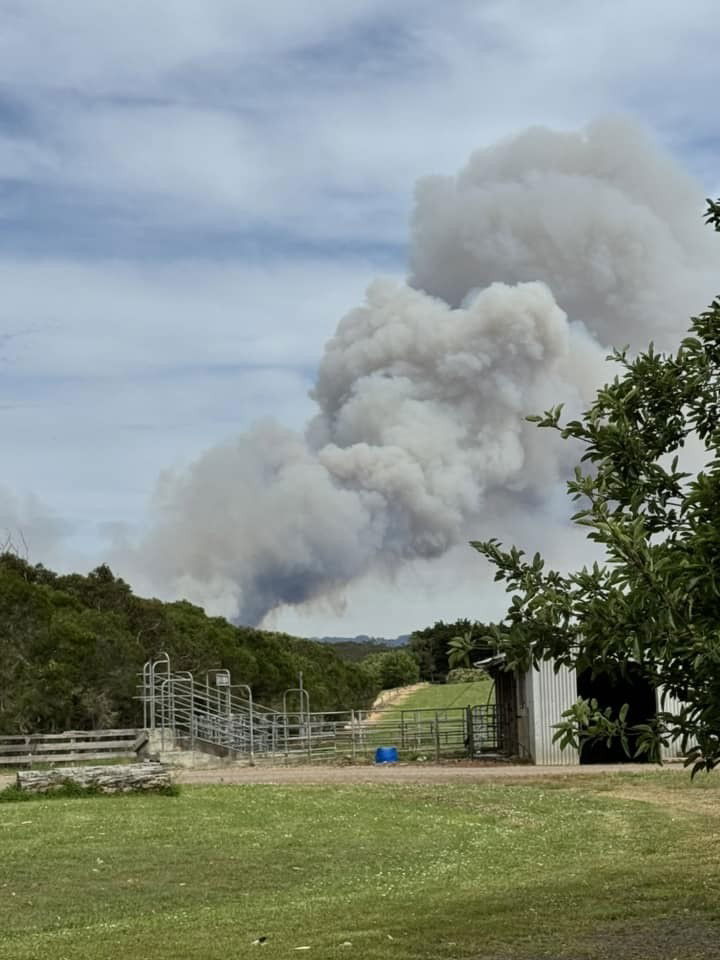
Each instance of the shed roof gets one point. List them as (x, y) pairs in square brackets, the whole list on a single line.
[(491, 663)]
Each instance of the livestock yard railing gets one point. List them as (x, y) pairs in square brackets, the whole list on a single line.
[(72, 746), (216, 715)]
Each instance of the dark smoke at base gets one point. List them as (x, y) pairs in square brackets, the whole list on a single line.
[(541, 253)]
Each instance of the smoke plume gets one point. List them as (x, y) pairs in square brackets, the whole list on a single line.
[(29, 529), (525, 267)]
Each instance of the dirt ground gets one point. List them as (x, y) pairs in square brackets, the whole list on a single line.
[(409, 773), (659, 939), (394, 773)]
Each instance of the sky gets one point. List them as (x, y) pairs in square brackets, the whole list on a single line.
[(192, 196)]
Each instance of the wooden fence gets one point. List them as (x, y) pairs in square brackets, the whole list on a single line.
[(70, 747)]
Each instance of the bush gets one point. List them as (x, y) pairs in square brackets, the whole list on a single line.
[(393, 669), (466, 675)]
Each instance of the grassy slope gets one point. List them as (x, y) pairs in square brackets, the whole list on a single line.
[(436, 696), (400, 872)]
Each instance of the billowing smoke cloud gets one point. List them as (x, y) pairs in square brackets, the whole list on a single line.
[(541, 253), (603, 217)]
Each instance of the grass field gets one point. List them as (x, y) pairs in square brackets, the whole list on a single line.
[(437, 696), (443, 697), (615, 867)]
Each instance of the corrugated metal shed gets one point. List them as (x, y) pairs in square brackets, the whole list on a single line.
[(670, 704), (548, 694), (530, 704)]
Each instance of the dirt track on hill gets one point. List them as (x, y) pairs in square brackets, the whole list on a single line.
[(392, 698)]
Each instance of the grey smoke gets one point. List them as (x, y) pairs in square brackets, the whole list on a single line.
[(541, 253), (29, 528), (603, 217)]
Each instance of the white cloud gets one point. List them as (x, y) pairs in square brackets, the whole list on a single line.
[(107, 47), (212, 118), (118, 319), (112, 372)]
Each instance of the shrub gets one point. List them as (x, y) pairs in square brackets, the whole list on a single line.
[(466, 675)]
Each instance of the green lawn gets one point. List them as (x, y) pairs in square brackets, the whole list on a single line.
[(564, 870), (436, 696)]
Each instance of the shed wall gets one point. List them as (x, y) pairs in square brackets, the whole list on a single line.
[(670, 705), (548, 695)]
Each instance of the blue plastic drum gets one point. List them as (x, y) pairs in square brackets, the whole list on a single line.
[(386, 755)]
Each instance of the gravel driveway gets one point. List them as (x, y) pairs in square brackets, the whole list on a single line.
[(399, 773)]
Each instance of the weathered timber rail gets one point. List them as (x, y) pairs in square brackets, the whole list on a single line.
[(72, 746)]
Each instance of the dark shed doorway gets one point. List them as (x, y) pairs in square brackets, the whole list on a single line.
[(613, 689)]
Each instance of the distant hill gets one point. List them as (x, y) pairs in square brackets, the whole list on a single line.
[(364, 638), (354, 649)]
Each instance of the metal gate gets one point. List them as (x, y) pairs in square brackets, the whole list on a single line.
[(216, 715), (485, 734)]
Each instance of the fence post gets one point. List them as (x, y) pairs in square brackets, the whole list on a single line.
[(437, 735), (192, 716), (352, 734), (252, 728), (470, 736)]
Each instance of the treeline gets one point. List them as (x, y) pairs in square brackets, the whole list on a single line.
[(430, 647), (72, 648)]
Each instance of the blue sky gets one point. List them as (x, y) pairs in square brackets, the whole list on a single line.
[(192, 194)]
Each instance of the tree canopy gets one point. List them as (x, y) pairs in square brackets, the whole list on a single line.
[(72, 647), (433, 646), (393, 668), (648, 488)]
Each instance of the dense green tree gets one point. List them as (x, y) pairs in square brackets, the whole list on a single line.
[(460, 650), (394, 668), (25, 617), (72, 648), (432, 646), (656, 599), (399, 669)]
